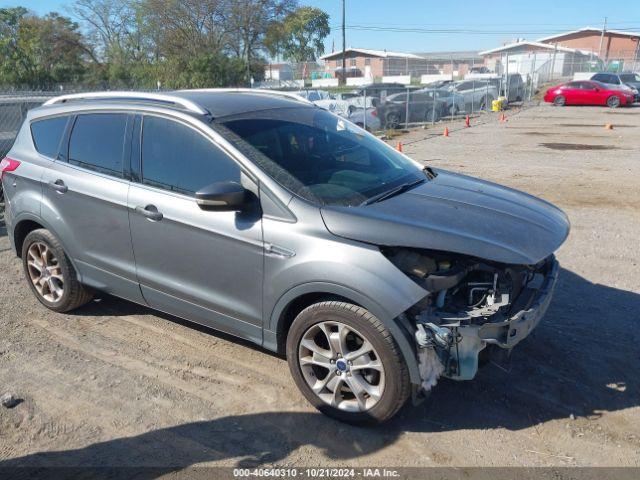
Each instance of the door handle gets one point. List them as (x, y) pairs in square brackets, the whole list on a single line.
[(59, 186), (151, 212)]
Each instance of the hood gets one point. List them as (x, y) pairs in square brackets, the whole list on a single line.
[(461, 214)]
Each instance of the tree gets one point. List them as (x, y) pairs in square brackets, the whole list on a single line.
[(39, 51), (247, 23), (180, 27), (301, 36)]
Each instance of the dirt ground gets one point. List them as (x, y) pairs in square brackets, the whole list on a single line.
[(118, 384)]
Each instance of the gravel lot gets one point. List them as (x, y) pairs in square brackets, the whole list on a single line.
[(118, 384)]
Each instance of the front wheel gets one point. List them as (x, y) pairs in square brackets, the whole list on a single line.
[(347, 364), (613, 101)]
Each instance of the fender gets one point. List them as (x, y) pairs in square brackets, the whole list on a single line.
[(400, 335), (35, 218)]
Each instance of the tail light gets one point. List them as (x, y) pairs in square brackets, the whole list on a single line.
[(374, 112), (8, 165)]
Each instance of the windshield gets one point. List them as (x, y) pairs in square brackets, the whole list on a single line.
[(630, 77), (324, 158)]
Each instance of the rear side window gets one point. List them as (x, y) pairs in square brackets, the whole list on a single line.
[(178, 158), (97, 142), (47, 135)]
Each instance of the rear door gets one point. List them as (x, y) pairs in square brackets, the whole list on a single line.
[(85, 201), (205, 266)]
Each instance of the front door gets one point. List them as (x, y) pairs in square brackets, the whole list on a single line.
[(201, 265)]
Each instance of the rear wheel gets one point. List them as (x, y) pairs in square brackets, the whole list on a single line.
[(347, 364), (50, 274), (559, 101), (392, 121), (613, 101)]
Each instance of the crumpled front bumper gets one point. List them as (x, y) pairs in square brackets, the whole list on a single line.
[(461, 359), (510, 332)]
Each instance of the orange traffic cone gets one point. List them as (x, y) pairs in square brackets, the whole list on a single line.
[(608, 126), (503, 118), (467, 121), (446, 132), (399, 146)]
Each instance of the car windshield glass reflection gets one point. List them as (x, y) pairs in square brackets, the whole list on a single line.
[(336, 162)]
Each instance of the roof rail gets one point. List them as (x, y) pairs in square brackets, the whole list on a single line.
[(265, 91), (147, 96)]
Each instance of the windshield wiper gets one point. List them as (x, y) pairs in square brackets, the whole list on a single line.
[(393, 192)]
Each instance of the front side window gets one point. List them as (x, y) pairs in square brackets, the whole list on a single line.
[(178, 158), (47, 134), (97, 142), (321, 157)]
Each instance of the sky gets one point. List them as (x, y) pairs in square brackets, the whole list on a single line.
[(431, 26)]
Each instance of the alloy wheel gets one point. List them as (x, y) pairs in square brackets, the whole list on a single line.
[(45, 272), (341, 366)]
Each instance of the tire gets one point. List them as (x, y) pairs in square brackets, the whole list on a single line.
[(613, 102), (392, 121), (59, 289), (388, 380), (559, 101)]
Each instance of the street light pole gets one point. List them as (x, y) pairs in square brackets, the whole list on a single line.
[(604, 28), (344, 43)]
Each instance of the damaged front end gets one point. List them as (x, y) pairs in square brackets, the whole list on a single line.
[(472, 303)]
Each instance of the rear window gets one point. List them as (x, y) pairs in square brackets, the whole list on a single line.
[(47, 134), (97, 142)]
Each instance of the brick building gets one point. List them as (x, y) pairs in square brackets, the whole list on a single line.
[(362, 62), (453, 63), (614, 46)]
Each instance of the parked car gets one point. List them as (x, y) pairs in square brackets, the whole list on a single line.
[(628, 79), (380, 91), (261, 215), (455, 102), (314, 95), (422, 108), (437, 84), (588, 92), (371, 123), (477, 94), (339, 107), (513, 87)]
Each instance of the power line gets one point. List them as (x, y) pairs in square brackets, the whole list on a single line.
[(450, 31)]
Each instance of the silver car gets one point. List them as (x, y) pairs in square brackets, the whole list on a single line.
[(259, 214)]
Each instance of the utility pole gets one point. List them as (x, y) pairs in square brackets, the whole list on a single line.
[(344, 44), (604, 28)]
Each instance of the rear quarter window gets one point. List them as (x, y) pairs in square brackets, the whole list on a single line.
[(47, 135)]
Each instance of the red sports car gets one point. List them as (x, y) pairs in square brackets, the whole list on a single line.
[(588, 92)]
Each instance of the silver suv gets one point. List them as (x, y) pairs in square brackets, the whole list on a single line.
[(264, 216)]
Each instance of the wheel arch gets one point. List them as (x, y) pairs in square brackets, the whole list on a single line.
[(27, 223), (298, 298)]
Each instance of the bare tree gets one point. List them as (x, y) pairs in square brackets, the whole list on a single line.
[(111, 27), (185, 26), (248, 21)]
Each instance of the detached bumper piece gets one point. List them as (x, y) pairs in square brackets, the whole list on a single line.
[(501, 313)]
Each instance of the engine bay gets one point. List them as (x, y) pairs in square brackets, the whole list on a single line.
[(471, 303)]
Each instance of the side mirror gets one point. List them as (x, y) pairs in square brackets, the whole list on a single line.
[(596, 89), (222, 197)]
